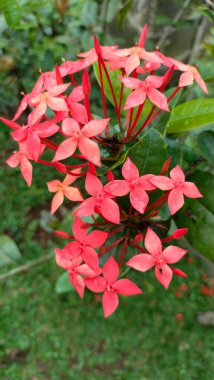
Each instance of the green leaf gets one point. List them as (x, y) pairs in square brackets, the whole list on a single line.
[(63, 285), (206, 145), (190, 115), (198, 215), (148, 154), (9, 251), (122, 14)]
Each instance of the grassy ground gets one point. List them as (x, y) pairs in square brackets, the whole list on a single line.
[(46, 336)]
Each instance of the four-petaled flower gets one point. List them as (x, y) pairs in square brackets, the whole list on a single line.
[(158, 258), (48, 98), (84, 244), (100, 202), (75, 270), (133, 184), (143, 89), (111, 287), (178, 188), (63, 189), (81, 138)]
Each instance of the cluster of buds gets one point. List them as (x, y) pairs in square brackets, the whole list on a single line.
[(123, 213)]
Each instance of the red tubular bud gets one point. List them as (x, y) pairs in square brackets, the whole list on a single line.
[(178, 272), (59, 79), (177, 234), (97, 47), (86, 83), (60, 167), (166, 166), (138, 238), (62, 234), (110, 176)]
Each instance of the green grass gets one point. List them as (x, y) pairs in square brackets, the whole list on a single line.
[(46, 336)]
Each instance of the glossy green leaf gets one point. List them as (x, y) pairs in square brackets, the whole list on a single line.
[(206, 145), (9, 252), (63, 285), (149, 154), (190, 115), (198, 215)]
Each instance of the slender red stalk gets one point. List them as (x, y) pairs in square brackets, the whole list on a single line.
[(139, 111), (123, 251), (160, 200), (107, 249), (72, 80)]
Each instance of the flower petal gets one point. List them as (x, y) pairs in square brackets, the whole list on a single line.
[(175, 200), (90, 150), (131, 63), (70, 126), (86, 208), (57, 201), (26, 170), (78, 283), (153, 243), (110, 210), (53, 185), (73, 194), (96, 285), (111, 270), (186, 79), (65, 149), (163, 273), (59, 89), (173, 254), (79, 232), (94, 127), (136, 98), (93, 185), (78, 112), (130, 170), (57, 104), (158, 99), (96, 238), (190, 190), (118, 188), (161, 182), (126, 287), (110, 303), (139, 199), (90, 257), (177, 174), (141, 262)]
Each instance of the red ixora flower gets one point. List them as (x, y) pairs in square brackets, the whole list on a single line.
[(158, 258), (111, 287), (84, 244), (75, 270), (178, 188), (143, 89), (133, 184), (81, 138), (100, 202), (64, 189)]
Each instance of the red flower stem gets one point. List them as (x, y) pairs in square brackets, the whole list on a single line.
[(102, 93), (112, 91), (130, 119), (76, 174), (76, 166), (123, 251), (87, 106), (47, 163), (169, 238), (150, 118), (138, 247), (116, 230), (107, 249), (72, 80), (53, 164), (160, 200), (49, 144), (139, 111)]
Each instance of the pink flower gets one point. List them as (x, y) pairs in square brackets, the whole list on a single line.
[(48, 98), (81, 138), (143, 89), (90, 56), (77, 110), (133, 184), (136, 53), (100, 201), (75, 270), (190, 73), (178, 188), (63, 189), (22, 158), (32, 134), (157, 258), (111, 288), (84, 244)]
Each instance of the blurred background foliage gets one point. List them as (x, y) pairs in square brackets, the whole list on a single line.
[(34, 35)]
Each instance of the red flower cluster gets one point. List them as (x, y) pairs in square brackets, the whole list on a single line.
[(60, 106)]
